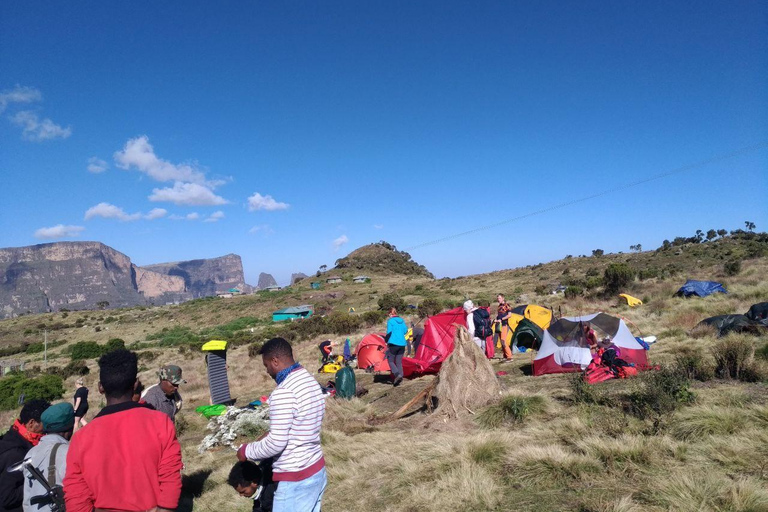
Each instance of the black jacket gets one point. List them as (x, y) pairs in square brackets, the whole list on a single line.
[(264, 503), (13, 449)]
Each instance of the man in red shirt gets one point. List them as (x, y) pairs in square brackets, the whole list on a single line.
[(127, 458)]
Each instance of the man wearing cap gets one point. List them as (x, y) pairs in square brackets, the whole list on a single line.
[(50, 454), (164, 396)]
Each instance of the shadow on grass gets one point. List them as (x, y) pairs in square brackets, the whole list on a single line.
[(192, 487), (527, 369)]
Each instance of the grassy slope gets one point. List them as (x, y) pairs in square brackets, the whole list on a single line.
[(709, 456)]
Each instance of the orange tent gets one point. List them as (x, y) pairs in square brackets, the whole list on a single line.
[(371, 353)]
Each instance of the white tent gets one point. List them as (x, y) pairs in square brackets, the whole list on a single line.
[(564, 349)]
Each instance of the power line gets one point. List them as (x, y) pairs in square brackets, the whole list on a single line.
[(715, 159)]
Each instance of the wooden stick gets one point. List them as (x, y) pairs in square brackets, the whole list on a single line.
[(422, 394)]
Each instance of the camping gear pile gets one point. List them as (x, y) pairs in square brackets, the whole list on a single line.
[(232, 424), (564, 348), (607, 364), (755, 321)]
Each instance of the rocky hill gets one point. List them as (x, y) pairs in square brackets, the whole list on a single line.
[(382, 257), (78, 275), (266, 280), (206, 277)]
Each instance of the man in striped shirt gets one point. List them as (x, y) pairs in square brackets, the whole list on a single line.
[(296, 410)]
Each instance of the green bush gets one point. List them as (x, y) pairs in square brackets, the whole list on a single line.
[(694, 365), (114, 344), (732, 267), (593, 282), (430, 307), (13, 386), (510, 409), (343, 323), (584, 393), (38, 347), (571, 292), (371, 318), (617, 276), (391, 300), (74, 368), (660, 394), (733, 354), (174, 336), (13, 350), (86, 350)]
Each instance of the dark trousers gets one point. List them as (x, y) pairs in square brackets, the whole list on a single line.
[(395, 359)]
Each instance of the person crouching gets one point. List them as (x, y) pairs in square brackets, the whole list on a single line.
[(254, 482)]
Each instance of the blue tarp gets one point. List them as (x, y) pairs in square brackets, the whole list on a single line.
[(700, 288)]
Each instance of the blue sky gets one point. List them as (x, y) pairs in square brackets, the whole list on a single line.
[(293, 132)]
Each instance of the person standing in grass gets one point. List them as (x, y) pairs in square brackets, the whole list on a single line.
[(80, 403), (396, 330), (503, 315), (296, 411), (164, 396), (128, 458)]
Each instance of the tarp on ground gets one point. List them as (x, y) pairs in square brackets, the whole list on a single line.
[(527, 335), (436, 343), (539, 315), (631, 301), (564, 349), (731, 323), (700, 288), (758, 312), (371, 353)]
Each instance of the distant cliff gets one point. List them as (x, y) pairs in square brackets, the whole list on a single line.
[(266, 280), (206, 277), (78, 275), (298, 276)]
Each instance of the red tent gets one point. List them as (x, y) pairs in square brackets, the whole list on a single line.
[(371, 353), (436, 343)]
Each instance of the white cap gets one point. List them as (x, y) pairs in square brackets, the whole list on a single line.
[(468, 305)]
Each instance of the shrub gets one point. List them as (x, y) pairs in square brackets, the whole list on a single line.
[(732, 267), (44, 387), (660, 394), (584, 393), (617, 276), (114, 344), (733, 354), (343, 323), (371, 318), (391, 300), (571, 292), (541, 289), (429, 307), (762, 352), (593, 282), (694, 365), (86, 350), (177, 335), (74, 368), (253, 349)]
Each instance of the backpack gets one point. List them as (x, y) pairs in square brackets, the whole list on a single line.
[(482, 321), (345, 383)]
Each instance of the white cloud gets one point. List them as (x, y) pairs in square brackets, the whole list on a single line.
[(268, 203), (339, 242), (138, 153), (190, 194), (110, 211), (38, 130), (58, 231), (378, 226), (262, 228), (215, 216), (97, 165), (192, 216), (156, 213), (19, 94)]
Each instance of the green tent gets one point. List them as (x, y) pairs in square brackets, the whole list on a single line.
[(527, 335)]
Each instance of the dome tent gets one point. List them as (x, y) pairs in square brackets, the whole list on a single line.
[(527, 335), (539, 315), (564, 349), (371, 353)]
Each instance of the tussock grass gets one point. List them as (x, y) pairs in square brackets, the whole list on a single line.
[(511, 409), (698, 422), (553, 465), (696, 492)]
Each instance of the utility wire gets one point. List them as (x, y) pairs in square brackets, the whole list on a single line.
[(715, 159)]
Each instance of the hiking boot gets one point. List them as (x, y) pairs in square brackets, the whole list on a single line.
[(397, 381)]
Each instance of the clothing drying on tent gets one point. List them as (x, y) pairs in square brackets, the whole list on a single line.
[(436, 343), (539, 315), (731, 323), (631, 301), (700, 288), (216, 362), (564, 348), (371, 353), (758, 313), (528, 335)]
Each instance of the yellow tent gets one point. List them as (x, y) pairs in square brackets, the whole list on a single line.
[(632, 301), (539, 315)]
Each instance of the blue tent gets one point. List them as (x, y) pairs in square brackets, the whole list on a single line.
[(700, 288)]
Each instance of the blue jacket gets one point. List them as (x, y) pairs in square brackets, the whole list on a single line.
[(397, 329)]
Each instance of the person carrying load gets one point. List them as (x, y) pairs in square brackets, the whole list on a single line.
[(502, 325)]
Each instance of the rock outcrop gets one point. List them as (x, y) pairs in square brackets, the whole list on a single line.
[(266, 280), (206, 277), (298, 276), (76, 275)]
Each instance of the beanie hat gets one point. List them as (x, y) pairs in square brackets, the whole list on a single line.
[(58, 418)]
